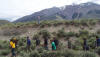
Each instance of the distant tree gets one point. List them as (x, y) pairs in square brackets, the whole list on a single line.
[(74, 15)]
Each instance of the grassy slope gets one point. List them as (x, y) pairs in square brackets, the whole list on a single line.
[(31, 28), (52, 26), (4, 22)]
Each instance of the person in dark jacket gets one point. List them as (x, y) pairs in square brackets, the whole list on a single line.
[(37, 42), (85, 45), (97, 41), (56, 42), (46, 43), (69, 44)]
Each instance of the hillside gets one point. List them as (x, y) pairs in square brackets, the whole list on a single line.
[(81, 11), (62, 30), (2, 22)]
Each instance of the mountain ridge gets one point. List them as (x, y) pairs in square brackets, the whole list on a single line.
[(77, 11)]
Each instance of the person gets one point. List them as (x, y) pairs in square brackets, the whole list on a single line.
[(97, 41), (85, 45), (12, 45), (56, 42), (46, 43), (69, 44), (53, 45), (28, 43), (37, 42), (16, 41)]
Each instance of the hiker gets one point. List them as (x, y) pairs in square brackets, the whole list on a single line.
[(56, 42), (97, 41), (69, 44), (16, 41), (12, 45), (28, 43), (53, 45), (37, 42), (46, 43), (85, 45)]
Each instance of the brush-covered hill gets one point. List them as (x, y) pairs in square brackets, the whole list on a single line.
[(2, 22), (63, 30), (80, 11)]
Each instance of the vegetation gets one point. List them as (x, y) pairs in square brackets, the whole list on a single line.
[(48, 23), (61, 34)]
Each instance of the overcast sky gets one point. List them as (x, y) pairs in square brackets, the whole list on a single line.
[(14, 9)]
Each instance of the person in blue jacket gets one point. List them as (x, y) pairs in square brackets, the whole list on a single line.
[(28, 43)]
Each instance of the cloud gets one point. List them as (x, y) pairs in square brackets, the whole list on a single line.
[(14, 9)]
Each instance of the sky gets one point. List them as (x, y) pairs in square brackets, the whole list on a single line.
[(14, 9)]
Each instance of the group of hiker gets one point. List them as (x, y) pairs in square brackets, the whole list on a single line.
[(14, 41), (54, 44), (87, 47)]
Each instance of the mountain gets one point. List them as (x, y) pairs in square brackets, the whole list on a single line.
[(78, 11), (4, 22)]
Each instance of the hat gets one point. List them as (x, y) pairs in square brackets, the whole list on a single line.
[(14, 38)]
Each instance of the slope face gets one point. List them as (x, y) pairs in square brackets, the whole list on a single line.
[(85, 10), (4, 22)]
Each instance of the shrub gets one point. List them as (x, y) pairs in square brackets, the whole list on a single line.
[(98, 31), (61, 33), (22, 53), (67, 22), (45, 23), (22, 41), (40, 50), (84, 22), (36, 36), (15, 32), (34, 54), (76, 23), (77, 45), (54, 33), (70, 53), (4, 52), (71, 34), (45, 33), (92, 22), (98, 50), (83, 33), (55, 24), (42, 25), (51, 54), (4, 45), (87, 54), (92, 42), (33, 46)]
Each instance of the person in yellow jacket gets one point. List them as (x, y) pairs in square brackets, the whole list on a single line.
[(12, 44)]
